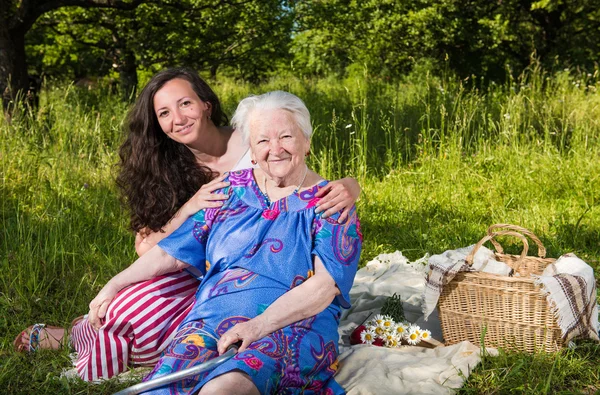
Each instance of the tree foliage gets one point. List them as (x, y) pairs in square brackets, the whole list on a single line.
[(478, 37), (243, 37), (249, 39), (74, 38)]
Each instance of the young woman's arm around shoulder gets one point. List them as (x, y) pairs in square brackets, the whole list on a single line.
[(339, 196), (204, 198)]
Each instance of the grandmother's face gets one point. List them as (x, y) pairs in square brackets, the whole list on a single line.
[(277, 144)]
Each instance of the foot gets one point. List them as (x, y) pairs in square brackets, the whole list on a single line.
[(50, 337)]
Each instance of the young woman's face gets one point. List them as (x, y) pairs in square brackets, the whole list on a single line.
[(278, 145), (180, 112)]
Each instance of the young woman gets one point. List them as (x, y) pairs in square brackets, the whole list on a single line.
[(177, 152)]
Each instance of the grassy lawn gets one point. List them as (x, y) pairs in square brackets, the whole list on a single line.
[(438, 163)]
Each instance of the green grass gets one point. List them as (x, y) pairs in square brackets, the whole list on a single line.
[(438, 163)]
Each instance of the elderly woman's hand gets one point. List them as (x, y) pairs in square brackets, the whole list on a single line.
[(99, 305), (247, 332), (338, 196)]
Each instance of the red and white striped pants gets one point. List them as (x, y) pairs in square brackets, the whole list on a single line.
[(139, 325)]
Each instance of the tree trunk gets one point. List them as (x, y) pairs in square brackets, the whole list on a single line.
[(13, 65), (213, 71), (127, 74)]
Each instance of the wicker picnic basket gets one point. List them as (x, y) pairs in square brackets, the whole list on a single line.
[(501, 311)]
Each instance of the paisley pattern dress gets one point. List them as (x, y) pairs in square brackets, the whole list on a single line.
[(251, 252)]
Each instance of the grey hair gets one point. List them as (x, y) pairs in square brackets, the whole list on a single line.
[(274, 100)]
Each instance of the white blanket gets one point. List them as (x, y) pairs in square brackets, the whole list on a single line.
[(410, 369)]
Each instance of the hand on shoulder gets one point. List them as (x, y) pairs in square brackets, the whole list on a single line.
[(337, 196)]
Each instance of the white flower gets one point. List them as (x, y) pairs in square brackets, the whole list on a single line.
[(348, 126), (378, 319), (401, 330), (391, 340), (507, 116), (426, 334), (415, 328), (388, 323), (414, 336), (380, 332), (367, 336)]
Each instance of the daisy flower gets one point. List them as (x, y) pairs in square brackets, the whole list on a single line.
[(378, 320), (391, 340), (415, 328), (376, 329), (388, 323), (413, 337), (367, 336), (426, 334), (401, 330)]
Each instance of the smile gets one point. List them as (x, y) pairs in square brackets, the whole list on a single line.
[(185, 128)]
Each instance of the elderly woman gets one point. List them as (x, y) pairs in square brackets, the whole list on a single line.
[(275, 274)]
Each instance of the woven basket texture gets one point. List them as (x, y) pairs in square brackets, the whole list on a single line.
[(501, 311)]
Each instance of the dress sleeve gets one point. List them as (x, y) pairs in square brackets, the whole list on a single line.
[(338, 246), (188, 242)]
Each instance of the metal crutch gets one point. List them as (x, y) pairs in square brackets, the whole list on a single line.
[(182, 374)]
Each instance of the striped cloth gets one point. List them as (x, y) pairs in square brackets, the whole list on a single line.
[(139, 324), (570, 289)]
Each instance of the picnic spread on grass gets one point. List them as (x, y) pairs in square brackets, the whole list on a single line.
[(523, 303), (422, 326)]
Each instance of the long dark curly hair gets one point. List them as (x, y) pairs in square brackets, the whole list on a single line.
[(158, 175)]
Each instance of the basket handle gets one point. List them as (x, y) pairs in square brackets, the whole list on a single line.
[(527, 232), (469, 258)]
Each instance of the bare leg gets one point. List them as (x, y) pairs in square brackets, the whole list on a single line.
[(50, 337), (232, 383)]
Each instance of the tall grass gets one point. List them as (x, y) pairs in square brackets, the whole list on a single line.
[(369, 126), (438, 160)]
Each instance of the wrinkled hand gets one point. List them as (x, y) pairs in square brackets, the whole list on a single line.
[(248, 332), (205, 198), (338, 196), (99, 305)]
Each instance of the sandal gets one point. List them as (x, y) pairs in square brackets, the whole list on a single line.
[(40, 336)]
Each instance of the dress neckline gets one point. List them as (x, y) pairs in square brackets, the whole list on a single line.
[(304, 196)]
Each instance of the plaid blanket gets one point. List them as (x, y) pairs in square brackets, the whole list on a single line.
[(570, 289), (445, 266)]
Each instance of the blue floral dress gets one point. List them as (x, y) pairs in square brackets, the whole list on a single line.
[(250, 252)]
